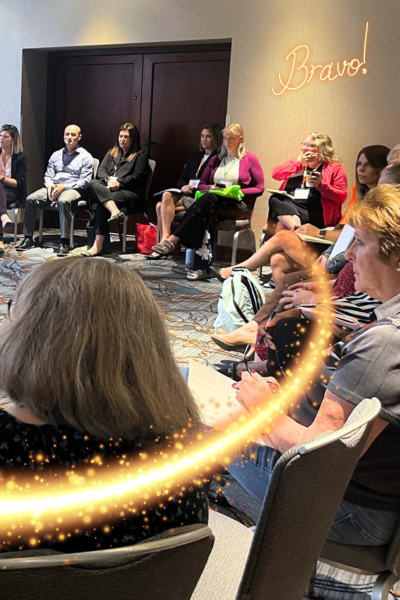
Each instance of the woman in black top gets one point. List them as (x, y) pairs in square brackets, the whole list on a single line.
[(173, 202), (120, 181), (13, 165), (109, 396)]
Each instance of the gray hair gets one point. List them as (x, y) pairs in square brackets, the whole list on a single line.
[(394, 154), (87, 346)]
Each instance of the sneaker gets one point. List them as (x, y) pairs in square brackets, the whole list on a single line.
[(25, 244), (63, 249)]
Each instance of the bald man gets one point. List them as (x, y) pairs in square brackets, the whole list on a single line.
[(69, 171)]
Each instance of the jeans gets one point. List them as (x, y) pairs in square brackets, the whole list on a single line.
[(353, 524)]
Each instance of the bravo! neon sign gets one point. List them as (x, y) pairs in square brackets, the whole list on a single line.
[(326, 73)]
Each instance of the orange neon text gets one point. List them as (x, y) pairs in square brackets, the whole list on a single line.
[(326, 73)]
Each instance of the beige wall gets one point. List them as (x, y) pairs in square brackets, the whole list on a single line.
[(355, 111)]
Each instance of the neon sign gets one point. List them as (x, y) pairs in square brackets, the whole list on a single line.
[(350, 68)]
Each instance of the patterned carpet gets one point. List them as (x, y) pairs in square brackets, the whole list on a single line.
[(190, 309)]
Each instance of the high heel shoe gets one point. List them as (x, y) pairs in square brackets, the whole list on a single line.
[(223, 341), (117, 217)]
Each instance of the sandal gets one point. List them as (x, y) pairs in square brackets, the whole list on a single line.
[(163, 248), (198, 275), (117, 217)]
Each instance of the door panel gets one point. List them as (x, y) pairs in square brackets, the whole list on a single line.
[(98, 95), (181, 93)]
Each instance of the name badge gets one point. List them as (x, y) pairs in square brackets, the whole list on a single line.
[(301, 193), (194, 183), (226, 183)]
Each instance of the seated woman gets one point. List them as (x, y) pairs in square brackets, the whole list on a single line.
[(363, 365), (107, 393), (188, 182), (233, 166), (13, 166), (119, 182), (317, 180), (285, 252)]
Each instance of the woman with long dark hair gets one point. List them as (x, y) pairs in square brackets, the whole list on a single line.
[(119, 182)]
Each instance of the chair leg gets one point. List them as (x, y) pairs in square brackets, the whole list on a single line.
[(383, 585), (124, 232), (41, 225), (16, 215), (71, 233), (262, 241)]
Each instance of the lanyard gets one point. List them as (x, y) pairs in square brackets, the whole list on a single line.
[(230, 165)]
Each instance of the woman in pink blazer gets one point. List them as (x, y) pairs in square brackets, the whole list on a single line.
[(232, 166)]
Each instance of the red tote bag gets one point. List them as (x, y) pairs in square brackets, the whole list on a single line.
[(146, 237)]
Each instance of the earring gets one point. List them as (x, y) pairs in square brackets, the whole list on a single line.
[(398, 269)]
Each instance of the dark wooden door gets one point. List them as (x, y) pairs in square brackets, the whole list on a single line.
[(181, 93), (98, 93)]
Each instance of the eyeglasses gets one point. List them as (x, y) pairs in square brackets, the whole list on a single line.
[(9, 303), (307, 145)]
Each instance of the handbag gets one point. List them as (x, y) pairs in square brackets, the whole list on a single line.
[(146, 237)]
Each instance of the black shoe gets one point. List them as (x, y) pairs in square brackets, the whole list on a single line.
[(25, 244), (63, 249)]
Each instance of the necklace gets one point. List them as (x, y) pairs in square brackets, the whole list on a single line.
[(4, 165)]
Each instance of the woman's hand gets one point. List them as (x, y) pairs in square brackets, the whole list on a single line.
[(112, 184), (314, 179), (308, 229), (187, 189), (305, 157), (293, 298), (255, 391)]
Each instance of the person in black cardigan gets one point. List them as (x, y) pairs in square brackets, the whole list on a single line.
[(120, 181), (13, 166), (173, 202)]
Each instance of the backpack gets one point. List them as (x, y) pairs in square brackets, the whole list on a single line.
[(242, 297)]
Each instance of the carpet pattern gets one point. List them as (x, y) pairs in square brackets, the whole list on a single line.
[(190, 309)]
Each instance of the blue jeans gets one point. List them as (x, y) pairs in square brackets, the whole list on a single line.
[(353, 524)]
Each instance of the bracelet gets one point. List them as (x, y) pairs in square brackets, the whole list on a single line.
[(3, 178), (322, 233)]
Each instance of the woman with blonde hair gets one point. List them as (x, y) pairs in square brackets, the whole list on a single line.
[(86, 361), (233, 165), (13, 166), (316, 183)]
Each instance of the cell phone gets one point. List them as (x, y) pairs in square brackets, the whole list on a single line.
[(220, 185)]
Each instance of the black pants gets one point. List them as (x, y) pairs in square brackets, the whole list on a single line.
[(203, 214), (99, 193)]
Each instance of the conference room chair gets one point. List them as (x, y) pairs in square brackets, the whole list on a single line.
[(166, 567)]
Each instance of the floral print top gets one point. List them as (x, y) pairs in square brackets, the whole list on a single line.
[(39, 454)]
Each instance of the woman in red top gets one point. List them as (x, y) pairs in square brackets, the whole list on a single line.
[(317, 182)]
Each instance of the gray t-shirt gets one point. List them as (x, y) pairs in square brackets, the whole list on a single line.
[(363, 365)]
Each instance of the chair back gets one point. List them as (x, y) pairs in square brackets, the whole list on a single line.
[(149, 179), (96, 164), (306, 488), (164, 568)]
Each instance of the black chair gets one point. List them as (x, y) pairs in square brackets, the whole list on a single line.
[(166, 567)]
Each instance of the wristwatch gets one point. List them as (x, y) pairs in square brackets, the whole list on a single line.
[(322, 233), (3, 178)]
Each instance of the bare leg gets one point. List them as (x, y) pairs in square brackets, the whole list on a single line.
[(112, 207), (167, 213), (285, 242), (281, 266), (247, 334), (291, 222), (98, 244)]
